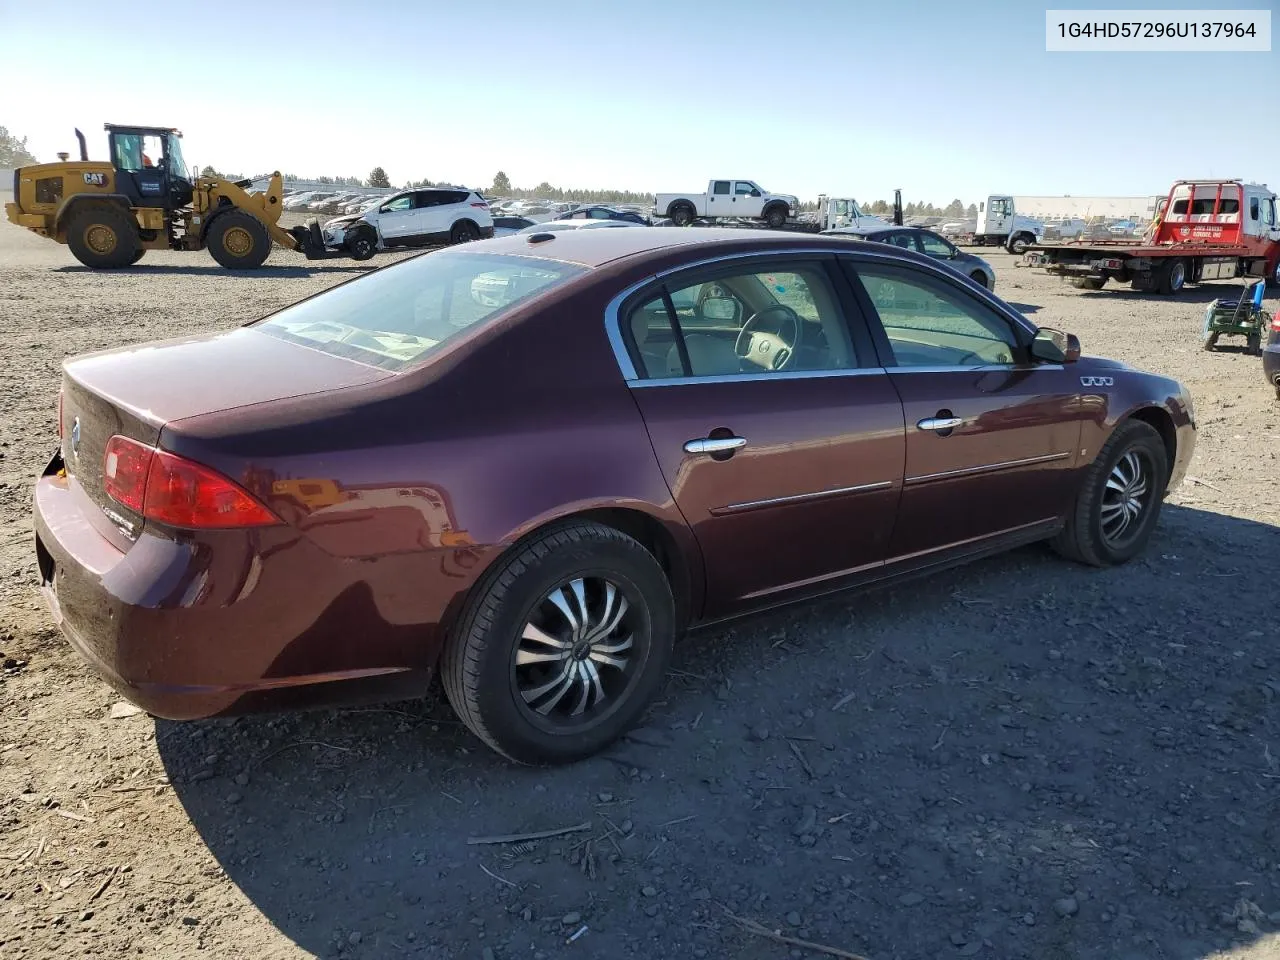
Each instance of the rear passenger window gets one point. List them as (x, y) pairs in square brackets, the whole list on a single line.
[(654, 344)]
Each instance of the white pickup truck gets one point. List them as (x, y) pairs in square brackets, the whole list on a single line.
[(726, 199)]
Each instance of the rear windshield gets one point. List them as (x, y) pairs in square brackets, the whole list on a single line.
[(397, 316)]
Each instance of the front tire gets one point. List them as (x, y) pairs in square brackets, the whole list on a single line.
[(776, 217), (103, 237), (1018, 244), (238, 241), (1119, 500), (562, 645), (362, 244)]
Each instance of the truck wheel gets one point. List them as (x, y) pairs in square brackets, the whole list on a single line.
[(776, 216), (238, 241), (1018, 244), (1173, 276), (1089, 283), (681, 215), (1274, 279), (103, 237)]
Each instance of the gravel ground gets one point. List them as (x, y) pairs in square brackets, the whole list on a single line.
[(1021, 758)]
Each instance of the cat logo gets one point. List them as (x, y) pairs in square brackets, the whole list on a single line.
[(1096, 382), (96, 179)]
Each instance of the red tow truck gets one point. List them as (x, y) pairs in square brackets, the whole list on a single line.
[(1203, 230)]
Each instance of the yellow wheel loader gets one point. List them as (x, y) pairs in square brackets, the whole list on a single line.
[(110, 214)]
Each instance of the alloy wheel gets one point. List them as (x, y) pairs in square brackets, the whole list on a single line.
[(1126, 498), (573, 661)]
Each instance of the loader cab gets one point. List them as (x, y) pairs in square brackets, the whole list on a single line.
[(150, 170)]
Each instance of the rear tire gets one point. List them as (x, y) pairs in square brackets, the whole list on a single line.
[(104, 237), (1108, 495), (238, 241), (681, 215), (464, 231), (1173, 276), (492, 672)]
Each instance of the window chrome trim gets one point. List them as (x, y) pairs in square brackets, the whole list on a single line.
[(858, 250), (752, 377), (978, 368), (988, 468), (800, 497)]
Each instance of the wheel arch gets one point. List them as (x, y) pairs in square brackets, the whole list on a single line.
[(461, 220), (675, 205), (1162, 421), (81, 201), (672, 545), (224, 207)]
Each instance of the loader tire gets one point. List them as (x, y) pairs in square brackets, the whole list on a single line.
[(103, 237), (238, 241), (138, 256)]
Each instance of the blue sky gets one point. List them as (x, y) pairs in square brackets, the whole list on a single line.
[(943, 99)]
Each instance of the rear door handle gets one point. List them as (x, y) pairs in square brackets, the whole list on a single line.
[(714, 444), (940, 423)]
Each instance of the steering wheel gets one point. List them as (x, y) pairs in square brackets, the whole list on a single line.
[(772, 351)]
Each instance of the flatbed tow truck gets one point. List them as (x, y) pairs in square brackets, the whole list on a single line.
[(1203, 230)]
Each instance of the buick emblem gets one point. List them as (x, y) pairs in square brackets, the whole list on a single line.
[(1097, 381), (75, 438)]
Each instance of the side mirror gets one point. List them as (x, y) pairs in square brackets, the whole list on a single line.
[(1054, 346)]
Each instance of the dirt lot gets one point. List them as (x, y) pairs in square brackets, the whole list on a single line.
[(1023, 758)]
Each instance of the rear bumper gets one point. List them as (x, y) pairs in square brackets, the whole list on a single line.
[(191, 630)]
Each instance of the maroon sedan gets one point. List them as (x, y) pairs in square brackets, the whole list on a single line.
[(533, 462)]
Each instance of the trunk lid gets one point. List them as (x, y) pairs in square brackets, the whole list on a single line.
[(135, 391)]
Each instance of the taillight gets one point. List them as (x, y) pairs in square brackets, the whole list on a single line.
[(481, 206), (173, 490), (1275, 323), (124, 471)]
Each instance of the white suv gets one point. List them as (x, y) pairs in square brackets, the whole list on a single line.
[(415, 218)]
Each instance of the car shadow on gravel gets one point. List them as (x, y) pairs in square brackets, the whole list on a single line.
[(213, 270), (1198, 294), (1018, 758)]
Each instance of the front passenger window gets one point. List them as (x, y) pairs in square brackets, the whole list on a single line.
[(746, 323), (931, 324)]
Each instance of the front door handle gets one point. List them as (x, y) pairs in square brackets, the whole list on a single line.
[(940, 423), (714, 444)]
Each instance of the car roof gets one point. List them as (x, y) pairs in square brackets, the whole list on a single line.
[(595, 248)]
